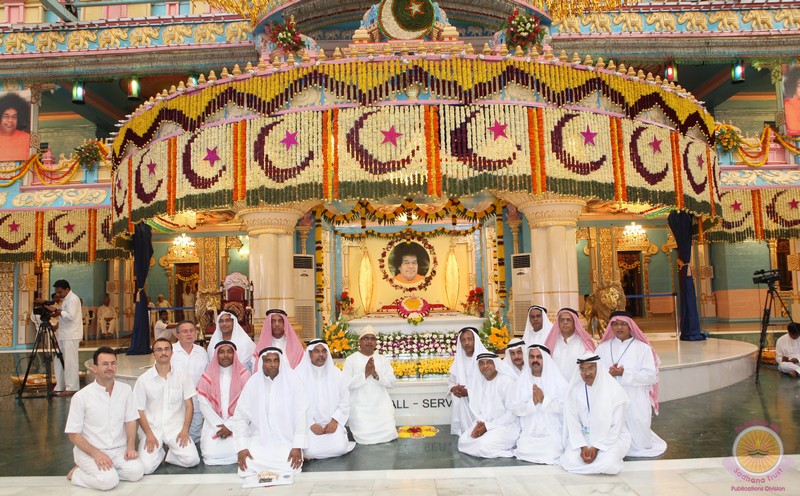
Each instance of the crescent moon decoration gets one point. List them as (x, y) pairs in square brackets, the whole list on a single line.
[(652, 178), (365, 159), (406, 19), (774, 216), (461, 150), (273, 172), (119, 194), (698, 188), (197, 181), (567, 160), (143, 195), (106, 229), (55, 238), (734, 224), (8, 245)]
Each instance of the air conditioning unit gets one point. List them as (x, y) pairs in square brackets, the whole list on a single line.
[(522, 286), (305, 310)]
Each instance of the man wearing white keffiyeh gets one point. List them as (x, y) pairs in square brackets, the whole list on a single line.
[(515, 356), (229, 329), (495, 429), (328, 400), (628, 356), (537, 326), (539, 404), (468, 347), (271, 418), (596, 437)]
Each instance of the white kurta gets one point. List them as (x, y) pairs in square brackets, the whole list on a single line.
[(540, 439), (162, 401), (160, 330), (566, 354), (328, 399), (269, 424), (640, 374), (106, 326), (535, 337), (785, 346), (193, 363), (100, 418), (217, 451), (491, 404), (69, 335), (582, 429), (462, 372), (371, 409)]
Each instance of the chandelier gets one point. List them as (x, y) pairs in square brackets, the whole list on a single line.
[(561, 9), (249, 9), (183, 246), (634, 234)]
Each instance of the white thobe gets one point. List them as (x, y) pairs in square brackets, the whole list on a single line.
[(785, 346), (566, 354), (100, 418), (322, 412), (69, 335), (218, 451), (193, 363), (540, 439), (461, 416), (502, 428), (106, 326), (269, 442), (162, 401), (243, 344), (371, 409), (507, 360), (535, 337), (612, 447), (640, 373)]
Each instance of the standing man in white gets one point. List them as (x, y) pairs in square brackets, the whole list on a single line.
[(567, 341), (371, 376), (102, 426), (163, 396), (537, 326), (193, 360), (70, 333)]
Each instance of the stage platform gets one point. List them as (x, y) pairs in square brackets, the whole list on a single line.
[(687, 369)]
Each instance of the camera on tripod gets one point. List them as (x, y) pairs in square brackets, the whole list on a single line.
[(766, 276), (40, 309)]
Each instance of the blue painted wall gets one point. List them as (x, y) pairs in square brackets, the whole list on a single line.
[(734, 264), (584, 270), (88, 281)]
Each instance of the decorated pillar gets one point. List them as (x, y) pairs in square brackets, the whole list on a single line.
[(553, 223), (271, 231), (708, 305), (793, 265), (25, 290)]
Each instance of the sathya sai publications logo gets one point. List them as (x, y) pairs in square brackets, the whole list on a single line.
[(757, 457)]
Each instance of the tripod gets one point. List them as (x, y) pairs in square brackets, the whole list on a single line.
[(46, 344), (769, 304)]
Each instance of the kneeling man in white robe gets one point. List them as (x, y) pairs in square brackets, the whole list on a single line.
[(271, 418), (630, 358), (328, 401), (539, 404), (371, 376), (594, 418), (496, 429), (218, 393)]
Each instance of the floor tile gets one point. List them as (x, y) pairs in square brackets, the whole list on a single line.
[(544, 485), (454, 487), (605, 489), (218, 489)]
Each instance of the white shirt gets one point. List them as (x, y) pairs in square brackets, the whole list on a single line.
[(785, 346), (566, 354), (70, 322), (105, 312), (160, 330), (162, 400), (193, 363), (101, 417)]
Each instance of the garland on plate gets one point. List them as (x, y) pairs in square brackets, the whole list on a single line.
[(414, 309)]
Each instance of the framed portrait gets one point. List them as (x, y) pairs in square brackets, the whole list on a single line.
[(15, 125), (791, 99), (408, 263)]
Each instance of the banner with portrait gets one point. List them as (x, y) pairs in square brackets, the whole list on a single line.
[(791, 99), (15, 125)]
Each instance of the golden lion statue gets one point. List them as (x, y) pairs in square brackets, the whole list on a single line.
[(599, 305)]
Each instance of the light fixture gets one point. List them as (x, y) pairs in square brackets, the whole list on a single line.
[(183, 246), (133, 89), (78, 92), (634, 233), (737, 72), (671, 72), (244, 251)]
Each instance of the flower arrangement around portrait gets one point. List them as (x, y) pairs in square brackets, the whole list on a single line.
[(285, 36), (414, 309), (383, 263), (494, 333), (91, 152), (523, 30), (340, 340), (728, 137), (474, 304), (345, 304)]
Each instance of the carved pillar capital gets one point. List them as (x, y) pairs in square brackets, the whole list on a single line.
[(548, 209), (270, 220)]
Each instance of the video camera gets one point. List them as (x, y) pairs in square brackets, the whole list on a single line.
[(40, 309), (766, 276)]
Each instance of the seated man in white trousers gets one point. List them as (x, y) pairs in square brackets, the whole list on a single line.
[(102, 426), (163, 396)]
